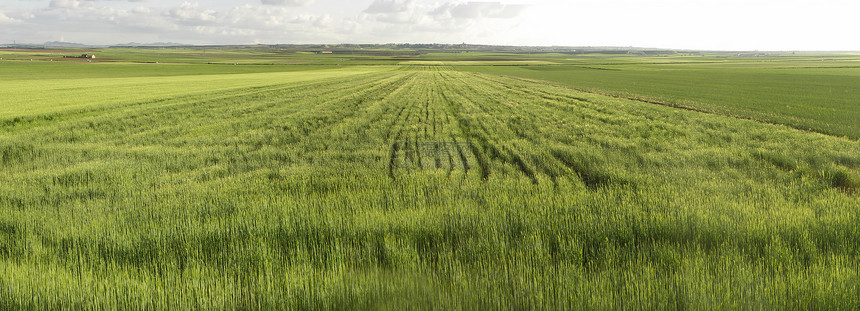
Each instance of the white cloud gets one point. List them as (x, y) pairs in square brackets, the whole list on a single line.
[(760, 24), (69, 4), (449, 22), (439, 16), (475, 10), (190, 14), (141, 10), (247, 23), (287, 2), (389, 6), (6, 20)]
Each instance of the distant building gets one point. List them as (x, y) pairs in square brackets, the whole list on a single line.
[(88, 56), (326, 52)]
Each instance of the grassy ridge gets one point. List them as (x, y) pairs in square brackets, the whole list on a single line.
[(423, 187)]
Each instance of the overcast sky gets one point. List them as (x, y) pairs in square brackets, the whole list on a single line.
[(693, 24)]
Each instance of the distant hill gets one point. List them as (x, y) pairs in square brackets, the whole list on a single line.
[(59, 44), (131, 44)]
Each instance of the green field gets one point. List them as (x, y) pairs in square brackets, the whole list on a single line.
[(810, 93), (431, 185)]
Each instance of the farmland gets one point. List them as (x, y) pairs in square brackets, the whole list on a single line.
[(367, 184), (812, 92)]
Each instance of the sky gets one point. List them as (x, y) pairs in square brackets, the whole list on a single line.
[(764, 25)]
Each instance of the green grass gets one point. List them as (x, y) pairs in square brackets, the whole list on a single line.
[(811, 94), (28, 100), (409, 187), (85, 72)]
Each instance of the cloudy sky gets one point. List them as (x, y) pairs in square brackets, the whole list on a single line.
[(694, 24)]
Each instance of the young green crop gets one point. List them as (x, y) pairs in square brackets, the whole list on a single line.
[(808, 94), (424, 187)]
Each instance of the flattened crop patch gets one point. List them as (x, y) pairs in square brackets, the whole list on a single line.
[(410, 155)]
